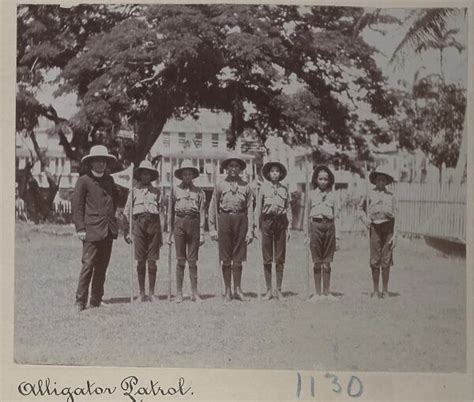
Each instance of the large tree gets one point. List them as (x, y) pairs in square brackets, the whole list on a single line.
[(149, 63)]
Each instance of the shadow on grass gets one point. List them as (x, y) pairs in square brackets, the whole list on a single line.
[(254, 295), (126, 300), (390, 294)]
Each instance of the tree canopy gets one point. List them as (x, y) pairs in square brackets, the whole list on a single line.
[(149, 63)]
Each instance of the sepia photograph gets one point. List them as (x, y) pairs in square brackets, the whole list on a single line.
[(230, 186)]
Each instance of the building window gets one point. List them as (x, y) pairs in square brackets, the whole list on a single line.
[(166, 140), (181, 139), (215, 140), (198, 140)]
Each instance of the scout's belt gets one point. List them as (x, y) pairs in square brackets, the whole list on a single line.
[(323, 219), (232, 212), (146, 215), (274, 216), (187, 216)]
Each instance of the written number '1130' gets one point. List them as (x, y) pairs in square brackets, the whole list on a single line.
[(355, 388)]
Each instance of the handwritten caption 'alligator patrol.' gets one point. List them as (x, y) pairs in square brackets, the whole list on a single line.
[(130, 387)]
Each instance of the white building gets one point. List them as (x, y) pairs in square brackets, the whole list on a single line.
[(59, 164), (204, 142)]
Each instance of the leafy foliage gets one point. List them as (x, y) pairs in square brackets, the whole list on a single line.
[(154, 62), (431, 118)]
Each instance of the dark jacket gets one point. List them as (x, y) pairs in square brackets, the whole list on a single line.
[(94, 206)]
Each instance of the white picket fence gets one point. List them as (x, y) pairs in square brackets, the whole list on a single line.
[(424, 209), (432, 209)]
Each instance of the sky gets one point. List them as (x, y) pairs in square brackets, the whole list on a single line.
[(455, 64)]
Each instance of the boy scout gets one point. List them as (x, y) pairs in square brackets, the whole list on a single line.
[(231, 215), (146, 229), (379, 217), (273, 206), (186, 221), (323, 228), (94, 206)]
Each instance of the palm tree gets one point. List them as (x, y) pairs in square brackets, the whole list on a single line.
[(429, 30)]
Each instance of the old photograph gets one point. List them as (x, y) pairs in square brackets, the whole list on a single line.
[(227, 186)]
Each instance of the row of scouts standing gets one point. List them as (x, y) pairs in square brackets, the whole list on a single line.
[(232, 222)]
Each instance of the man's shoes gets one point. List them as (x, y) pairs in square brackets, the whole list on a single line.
[(101, 304), (152, 298), (375, 294), (79, 307), (179, 298), (143, 298), (384, 295)]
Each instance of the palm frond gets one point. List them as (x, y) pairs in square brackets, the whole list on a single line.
[(427, 25)]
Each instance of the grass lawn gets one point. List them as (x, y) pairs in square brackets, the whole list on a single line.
[(422, 327)]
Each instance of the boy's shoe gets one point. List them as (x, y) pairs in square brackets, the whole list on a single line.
[(239, 295), (374, 294), (79, 307), (196, 297), (384, 295), (268, 295), (280, 296), (143, 298), (331, 297), (152, 298), (179, 298), (227, 296), (316, 298)]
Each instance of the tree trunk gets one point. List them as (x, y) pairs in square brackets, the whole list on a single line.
[(461, 165), (43, 205), (150, 129)]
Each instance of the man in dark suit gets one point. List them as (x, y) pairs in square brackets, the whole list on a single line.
[(94, 206)]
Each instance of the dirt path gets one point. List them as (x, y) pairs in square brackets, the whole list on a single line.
[(421, 328)]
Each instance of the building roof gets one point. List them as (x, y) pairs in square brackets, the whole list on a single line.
[(207, 122), (199, 153)]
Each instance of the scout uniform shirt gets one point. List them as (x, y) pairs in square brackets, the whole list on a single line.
[(275, 199), (233, 196), (323, 205), (146, 199), (234, 201), (382, 206), (189, 201)]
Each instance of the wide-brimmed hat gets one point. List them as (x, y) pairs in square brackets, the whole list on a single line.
[(186, 164), (268, 166), (98, 151), (381, 170), (146, 165), (226, 162), (324, 168)]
